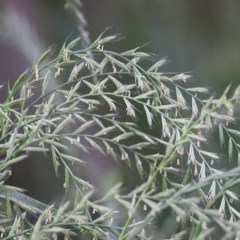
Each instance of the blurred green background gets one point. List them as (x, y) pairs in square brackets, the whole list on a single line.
[(201, 37)]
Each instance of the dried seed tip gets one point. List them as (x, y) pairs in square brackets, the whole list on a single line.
[(87, 65), (85, 187), (124, 156), (181, 102), (144, 207), (166, 131), (180, 150), (94, 211), (130, 111), (29, 92), (90, 106), (65, 185), (165, 89), (178, 218), (109, 150), (58, 71), (142, 83), (143, 232), (153, 187), (48, 217), (36, 72), (48, 129), (183, 77), (195, 171), (114, 68), (100, 47), (75, 72), (111, 221), (195, 110), (66, 56), (230, 112), (204, 226)]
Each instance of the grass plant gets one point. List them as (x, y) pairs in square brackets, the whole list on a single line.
[(123, 106)]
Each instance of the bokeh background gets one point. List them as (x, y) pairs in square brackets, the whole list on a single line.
[(200, 36)]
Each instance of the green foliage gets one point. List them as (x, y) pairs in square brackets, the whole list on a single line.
[(102, 104)]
